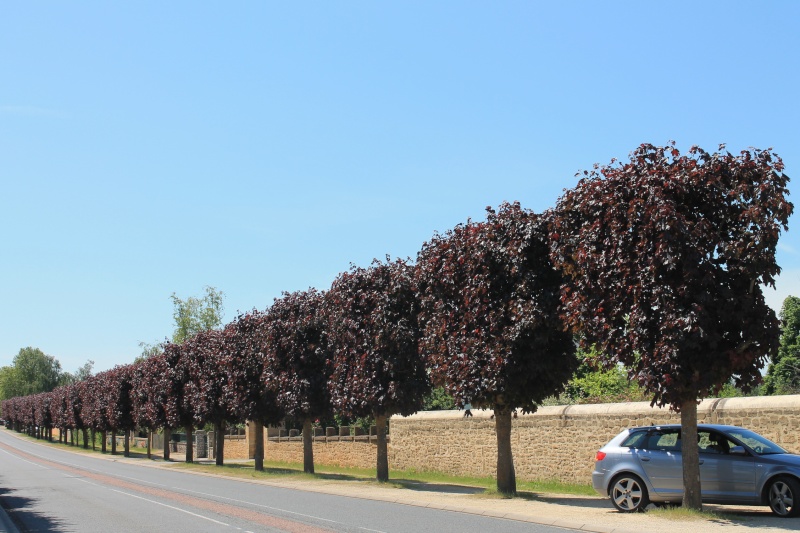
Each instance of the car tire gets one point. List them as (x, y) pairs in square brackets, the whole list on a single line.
[(628, 493), (783, 496)]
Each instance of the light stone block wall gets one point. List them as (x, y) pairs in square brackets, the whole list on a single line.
[(235, 448), (557, 443), (358, 452), (560, 442)]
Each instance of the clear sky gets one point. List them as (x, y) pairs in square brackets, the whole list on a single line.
[(148, 148)]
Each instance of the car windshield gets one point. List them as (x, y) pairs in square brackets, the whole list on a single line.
[(757, 443)]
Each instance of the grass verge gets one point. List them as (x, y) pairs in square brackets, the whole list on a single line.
[(483, 487), (405, 479), (678, 513)]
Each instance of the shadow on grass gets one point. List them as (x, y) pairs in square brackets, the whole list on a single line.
[(444, 488)]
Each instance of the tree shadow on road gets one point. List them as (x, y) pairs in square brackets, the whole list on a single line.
[(20, 510)]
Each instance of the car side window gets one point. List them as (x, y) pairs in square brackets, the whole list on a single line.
[(664, 441), (635, 440), (713, 442)]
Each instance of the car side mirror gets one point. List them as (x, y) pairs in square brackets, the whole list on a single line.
[(738, 450)]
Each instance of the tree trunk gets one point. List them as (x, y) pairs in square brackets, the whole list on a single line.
[(219, 448), (113, 442), (167, 439), (258, 434), (308, 447), (506, 477), (127, 448), (149, 444), (189, 444), (691, 456), (382, 451), (85, 433), (94, 440), (103, 436)]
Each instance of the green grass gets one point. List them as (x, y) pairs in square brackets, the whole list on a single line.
[(404, 479), (412, 480), (684, 514)]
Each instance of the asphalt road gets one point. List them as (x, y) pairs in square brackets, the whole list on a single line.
[(49, 489)]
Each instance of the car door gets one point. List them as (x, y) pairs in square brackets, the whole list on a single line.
[(660, 459), (725, 476)]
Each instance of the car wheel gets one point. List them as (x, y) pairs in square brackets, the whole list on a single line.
[(628, 493), (783, 496)]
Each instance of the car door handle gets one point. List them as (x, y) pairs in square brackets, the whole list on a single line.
[(700, 461), (644, 458)]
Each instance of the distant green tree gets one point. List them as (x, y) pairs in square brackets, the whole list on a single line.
[(194, 315), (9, 385), (191, 316), (593, 384), (31, 372), (783, 375), (83, 373), (149, 350), (438, 400)]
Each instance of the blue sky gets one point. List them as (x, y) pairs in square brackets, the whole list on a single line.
[(149, 148)]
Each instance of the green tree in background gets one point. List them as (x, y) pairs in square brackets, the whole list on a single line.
[(191, 316), (783, 376), (593, 384), (31, 372), (194, 315)]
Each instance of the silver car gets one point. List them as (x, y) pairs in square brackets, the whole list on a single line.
[(737, 466)]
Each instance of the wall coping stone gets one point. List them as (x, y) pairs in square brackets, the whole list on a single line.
[(630, 408)]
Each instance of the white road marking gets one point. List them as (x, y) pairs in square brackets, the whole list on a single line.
[(24, 460), (260, 505), (172, 507), (155, 502)]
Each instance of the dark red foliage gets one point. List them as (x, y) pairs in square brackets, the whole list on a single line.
[(246, 396), (665, 256), (489, 297), (296, 365), (373, 333), (74, 400), (178, 409), (115, 391), (150, 393), (207, 377)]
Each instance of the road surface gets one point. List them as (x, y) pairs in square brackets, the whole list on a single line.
[(50, 489)]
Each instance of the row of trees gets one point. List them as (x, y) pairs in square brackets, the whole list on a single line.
[(656, 263)]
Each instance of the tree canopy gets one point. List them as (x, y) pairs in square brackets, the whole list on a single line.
[(665, 256), (489, 309), (296, 366), (374, 334)]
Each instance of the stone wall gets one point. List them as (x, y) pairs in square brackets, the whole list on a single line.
[(332, 446), (235, 447), (560, 442)]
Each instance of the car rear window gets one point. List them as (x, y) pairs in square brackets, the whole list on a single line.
[(634, 440)]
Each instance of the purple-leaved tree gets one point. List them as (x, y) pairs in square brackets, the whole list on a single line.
[(490, 311), (373, 333), (665, 256)]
